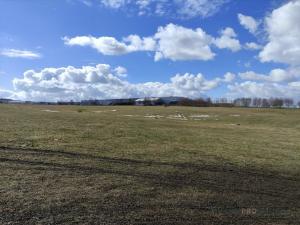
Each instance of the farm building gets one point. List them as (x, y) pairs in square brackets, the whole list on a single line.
[(158, 101), (148, 101), (5, 100)]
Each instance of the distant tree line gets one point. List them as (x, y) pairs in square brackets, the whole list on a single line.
[(241, 102), (265, 102), (200, 102), (205, 102), (179, 101)]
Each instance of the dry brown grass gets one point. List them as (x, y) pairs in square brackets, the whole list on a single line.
[(83, 166)]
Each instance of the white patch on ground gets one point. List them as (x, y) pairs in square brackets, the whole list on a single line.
[(233, 124), (48, 110), (154, 116), (235, 115), (202, 116), (102, 111), (130, 115), (177, 116), (199, 116), (98, 111)]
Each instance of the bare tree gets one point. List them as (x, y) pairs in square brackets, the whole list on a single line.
[(257, 102), (276, 102), (288, 102), (265, 103), (243, 102), (223, 100)]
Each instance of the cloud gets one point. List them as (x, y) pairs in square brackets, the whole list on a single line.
[(183, 9), (229, 77), (195, 8), (172, 42), (111, 46), (283, 29), (120, 71), (140, 44), (295, 84), (228, 40), (253, 46), (277, 83), (104, 45), (275, 75), (248, 23), (102, 81), (6, 93), (180, 43), (114, 3), (15, 53), (264, 90)]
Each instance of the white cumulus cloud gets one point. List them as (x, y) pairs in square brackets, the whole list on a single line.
[(228, 40), (277, 83), (121, 71), (248, 23), (180, 43), (264, 90), (104, 45), (111, 46), (172, 42), (275, 75), (229, 77), (283, 29), (102, 82), (6, 93), (253, 46)]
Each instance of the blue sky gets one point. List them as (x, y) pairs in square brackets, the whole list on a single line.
[(190, 46)]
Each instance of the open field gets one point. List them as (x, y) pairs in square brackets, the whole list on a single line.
[(149, 165)]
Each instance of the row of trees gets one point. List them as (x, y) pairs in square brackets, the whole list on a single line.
[(200, 102), (264, 102), (241, 102)]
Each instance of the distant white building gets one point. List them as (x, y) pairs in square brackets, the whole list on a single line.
[(158, 101), (16, 102), (147, 101)]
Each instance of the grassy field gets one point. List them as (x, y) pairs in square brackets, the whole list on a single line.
[(149, 165)]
